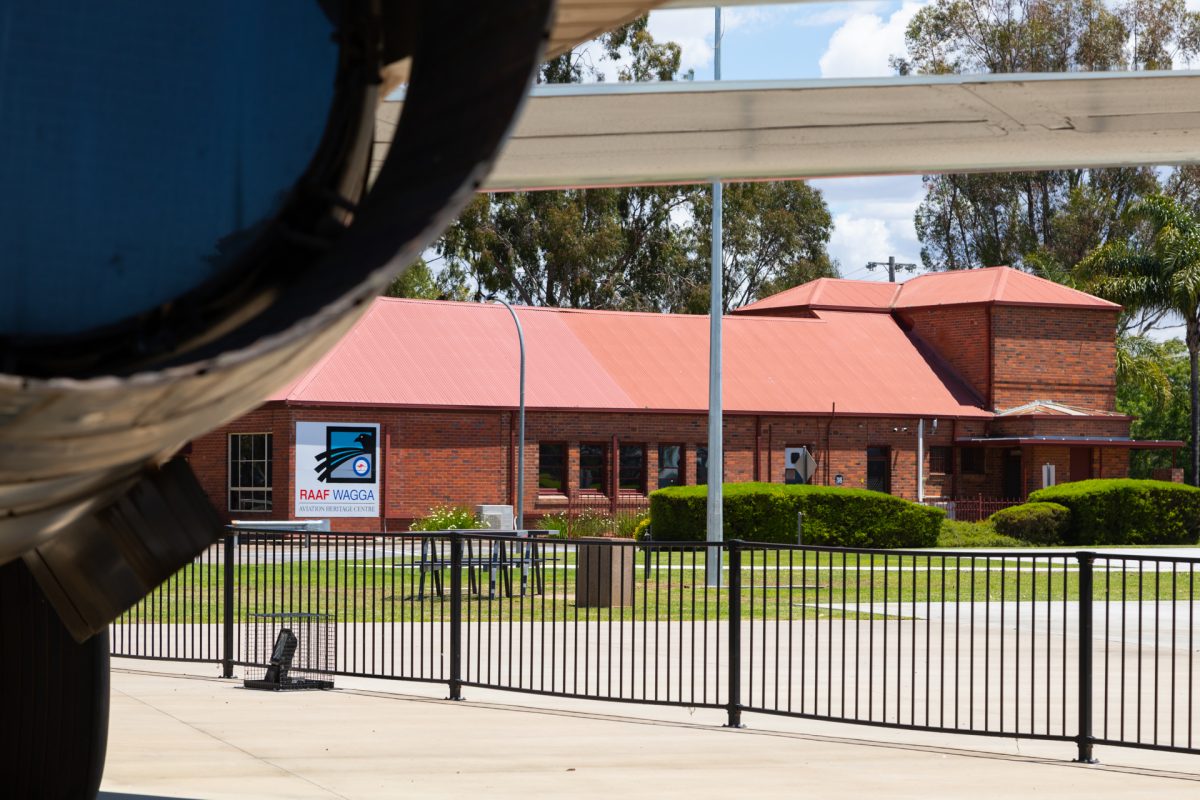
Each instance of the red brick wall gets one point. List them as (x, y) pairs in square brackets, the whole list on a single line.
[(1065, 355), (435, 458), (1055, 425), (960, 335), (209, 457)]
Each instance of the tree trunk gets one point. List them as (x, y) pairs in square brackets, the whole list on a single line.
[(1193, 346)]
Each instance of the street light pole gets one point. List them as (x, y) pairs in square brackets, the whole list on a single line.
[(714, 527), (520, 515)]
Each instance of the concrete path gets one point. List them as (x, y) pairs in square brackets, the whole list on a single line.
[(176, 735)]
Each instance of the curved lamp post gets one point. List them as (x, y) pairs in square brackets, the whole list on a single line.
[(520, 515)]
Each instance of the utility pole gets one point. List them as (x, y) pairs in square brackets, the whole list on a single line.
[(892, 266), (715, 526)]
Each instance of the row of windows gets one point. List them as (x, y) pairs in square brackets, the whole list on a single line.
[(971, 460), (251, 479), (594, 464), (631, 465)]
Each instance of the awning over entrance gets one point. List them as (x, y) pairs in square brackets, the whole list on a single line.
[(1069, 441)]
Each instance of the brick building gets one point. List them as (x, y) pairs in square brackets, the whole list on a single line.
[(989, 374)]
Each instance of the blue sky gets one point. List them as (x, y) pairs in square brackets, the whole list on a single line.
[(872, 216)]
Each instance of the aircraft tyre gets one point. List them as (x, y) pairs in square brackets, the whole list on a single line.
[(54, 723)]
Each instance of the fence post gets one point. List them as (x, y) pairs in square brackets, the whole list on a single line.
[(800, 527), (735, 635), (1084, 739), (228, 546), (456, 616)]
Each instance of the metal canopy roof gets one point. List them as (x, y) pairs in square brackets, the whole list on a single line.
[(1089, 441), (684, 132)]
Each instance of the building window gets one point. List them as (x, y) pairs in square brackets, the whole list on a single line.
[(593, 463), (250, 472), (632, 477), (669, 472), (879, 472), (941, 460), (701, 465), (972, 460), (552, 468)]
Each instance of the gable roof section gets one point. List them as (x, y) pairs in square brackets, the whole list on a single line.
[(995, 285), (432, 354), (999, 285), (829, 293)]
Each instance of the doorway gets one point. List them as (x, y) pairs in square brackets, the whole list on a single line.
[(879, 469), (1013, 488), (1081, 463)]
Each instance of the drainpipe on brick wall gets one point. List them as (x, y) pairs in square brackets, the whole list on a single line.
[(770, 450), (383, 481), (615, 478), (758, 448), (921, 460), (955, 455), (828, 445)]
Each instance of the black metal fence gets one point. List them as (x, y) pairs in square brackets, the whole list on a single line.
[(988, 643)]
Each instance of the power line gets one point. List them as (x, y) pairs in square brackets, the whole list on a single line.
[(892, 266)]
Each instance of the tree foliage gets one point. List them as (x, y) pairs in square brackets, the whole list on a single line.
[(641, 248), (1157, 268), (1155, 420), (1031, 219)]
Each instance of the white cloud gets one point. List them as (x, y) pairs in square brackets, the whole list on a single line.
[(862, 45), (857, 240), (873, 219), (692, 30), (837, 14)]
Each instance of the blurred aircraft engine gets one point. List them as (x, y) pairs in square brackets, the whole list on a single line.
[(185, 226)]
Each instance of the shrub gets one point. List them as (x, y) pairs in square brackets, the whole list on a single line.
[(766, 512), (586, 523), (444, 518), (642, 531), (628, 525), (1125, 511), (957, 534), (1036, 523)]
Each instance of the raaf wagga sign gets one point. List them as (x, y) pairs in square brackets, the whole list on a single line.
[(337, 469)]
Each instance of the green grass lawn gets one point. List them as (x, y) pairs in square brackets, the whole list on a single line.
[(775, 585)]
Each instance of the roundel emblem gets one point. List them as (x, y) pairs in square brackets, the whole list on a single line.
[(361, 466)]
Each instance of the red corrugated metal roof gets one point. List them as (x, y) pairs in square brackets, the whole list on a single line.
[(439, 354), (829, 293), (1001, 285)]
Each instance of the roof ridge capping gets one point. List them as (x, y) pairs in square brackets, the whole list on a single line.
[(1001, 285)]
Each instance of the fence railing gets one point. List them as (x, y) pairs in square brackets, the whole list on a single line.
[(974, 508), (593, 514), (987, 643)]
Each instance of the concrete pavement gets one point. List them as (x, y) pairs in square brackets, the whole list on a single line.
[(192, 736)]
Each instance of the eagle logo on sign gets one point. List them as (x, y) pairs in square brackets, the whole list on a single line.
[(349, 456)]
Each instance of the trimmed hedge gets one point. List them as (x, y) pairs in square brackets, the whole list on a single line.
[(1035, 523), (766, 512), (1126, 511), (961, 535)]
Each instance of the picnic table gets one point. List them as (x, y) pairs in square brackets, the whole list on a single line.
[(499, 553)]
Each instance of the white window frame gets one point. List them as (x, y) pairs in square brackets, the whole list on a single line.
[(269, 489)]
